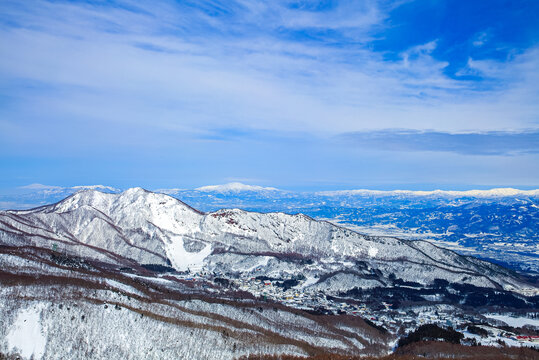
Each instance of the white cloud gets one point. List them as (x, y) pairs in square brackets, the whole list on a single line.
[(185, 71), (480, 39)]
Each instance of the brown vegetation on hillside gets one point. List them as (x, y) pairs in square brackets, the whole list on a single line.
[(425, 350), (78, 283)]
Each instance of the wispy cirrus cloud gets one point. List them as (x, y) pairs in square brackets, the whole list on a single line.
[(279, 65), (486, 143), (130, 79)]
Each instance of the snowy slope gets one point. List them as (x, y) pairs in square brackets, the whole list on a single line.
[(50, 311)]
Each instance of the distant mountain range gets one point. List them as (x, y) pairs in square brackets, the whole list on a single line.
[(33, 195), (498, 192), (234, 188), (38, 194)]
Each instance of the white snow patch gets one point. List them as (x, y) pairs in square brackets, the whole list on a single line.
[(262, 261), (151, 279), (25, 335), (514, 321), (182, 259), (373, 251), (310, 281), (118, 285)]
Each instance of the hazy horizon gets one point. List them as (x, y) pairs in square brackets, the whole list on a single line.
[(298, 188)]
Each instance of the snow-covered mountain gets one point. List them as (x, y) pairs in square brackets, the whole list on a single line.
[(33, 195), (497, 224), (229, 189), (496, 192), (234, 187), (139, 274), (149, 228)]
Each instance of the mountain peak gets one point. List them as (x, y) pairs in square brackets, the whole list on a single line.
[(96, 187), (234, 187), (136, 191)]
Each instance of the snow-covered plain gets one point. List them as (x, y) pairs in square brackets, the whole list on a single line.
[(514, 321)]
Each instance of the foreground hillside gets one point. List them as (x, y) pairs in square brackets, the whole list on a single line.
[(69, 309), (143, 275)]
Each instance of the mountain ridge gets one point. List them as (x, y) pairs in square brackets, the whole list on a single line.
[(188, 238), (494, 192)]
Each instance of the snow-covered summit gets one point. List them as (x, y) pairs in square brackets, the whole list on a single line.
[(496, 192), (133, 202), (96, 187), (234, 187)]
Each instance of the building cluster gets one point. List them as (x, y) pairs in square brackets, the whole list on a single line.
[(394, 320)]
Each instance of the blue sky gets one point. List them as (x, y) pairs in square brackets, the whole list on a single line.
[(292, 94)]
